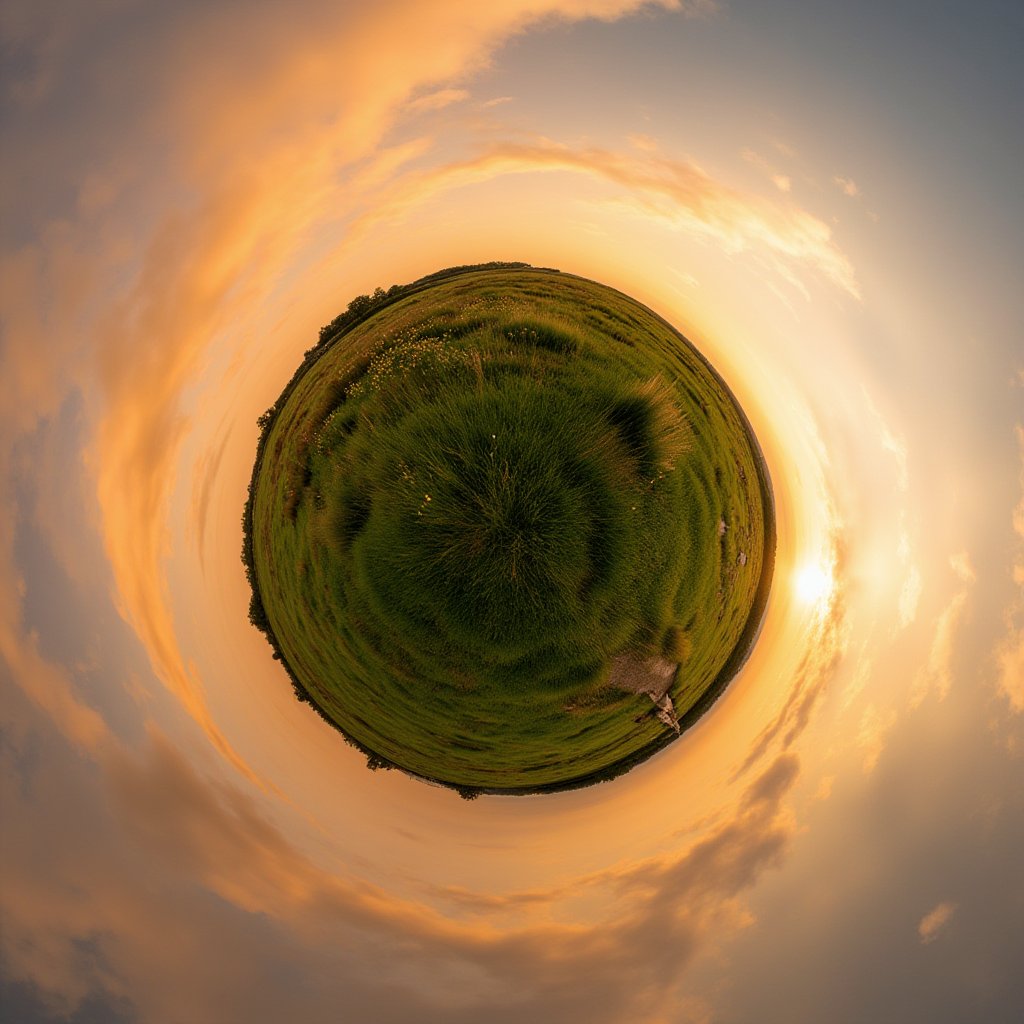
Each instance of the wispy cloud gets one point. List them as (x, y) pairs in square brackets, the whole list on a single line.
[(201, 838), (437, 100), (847, 186), (892, 442), (679, 193), (48, 684), (204, 477), (875, 725), (256, 142), (645, 143), (936, 675), (935, 921), (895, 444), (910, 596), (1010, 653), (783, 182)]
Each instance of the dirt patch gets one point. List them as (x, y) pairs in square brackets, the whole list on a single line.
[(652, 676)]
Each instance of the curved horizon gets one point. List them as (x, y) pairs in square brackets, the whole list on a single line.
[(309, 682)]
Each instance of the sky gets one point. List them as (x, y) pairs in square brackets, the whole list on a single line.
[(824, 197)]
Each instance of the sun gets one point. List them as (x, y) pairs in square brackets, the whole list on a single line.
[(812, 583)]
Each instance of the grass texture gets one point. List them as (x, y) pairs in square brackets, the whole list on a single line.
[(476, 492)]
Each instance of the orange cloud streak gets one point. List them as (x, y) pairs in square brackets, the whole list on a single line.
[(675, 191), (266, 166)]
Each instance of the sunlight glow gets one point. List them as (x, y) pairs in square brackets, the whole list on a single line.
[(812, 583)]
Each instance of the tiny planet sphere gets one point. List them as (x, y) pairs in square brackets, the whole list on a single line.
[(507, 530)]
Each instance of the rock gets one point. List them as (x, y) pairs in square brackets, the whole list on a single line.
[(667, 713)]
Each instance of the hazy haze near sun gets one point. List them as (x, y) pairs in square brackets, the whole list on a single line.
[(824, 197)]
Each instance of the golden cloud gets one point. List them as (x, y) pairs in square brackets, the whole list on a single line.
[(936, 675), (263, 155), (933, 923), (1010, 653), (674, 191)]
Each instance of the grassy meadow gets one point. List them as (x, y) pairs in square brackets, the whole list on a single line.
[(476, 492)]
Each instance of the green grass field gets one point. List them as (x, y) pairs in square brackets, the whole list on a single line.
[(476, 492)]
